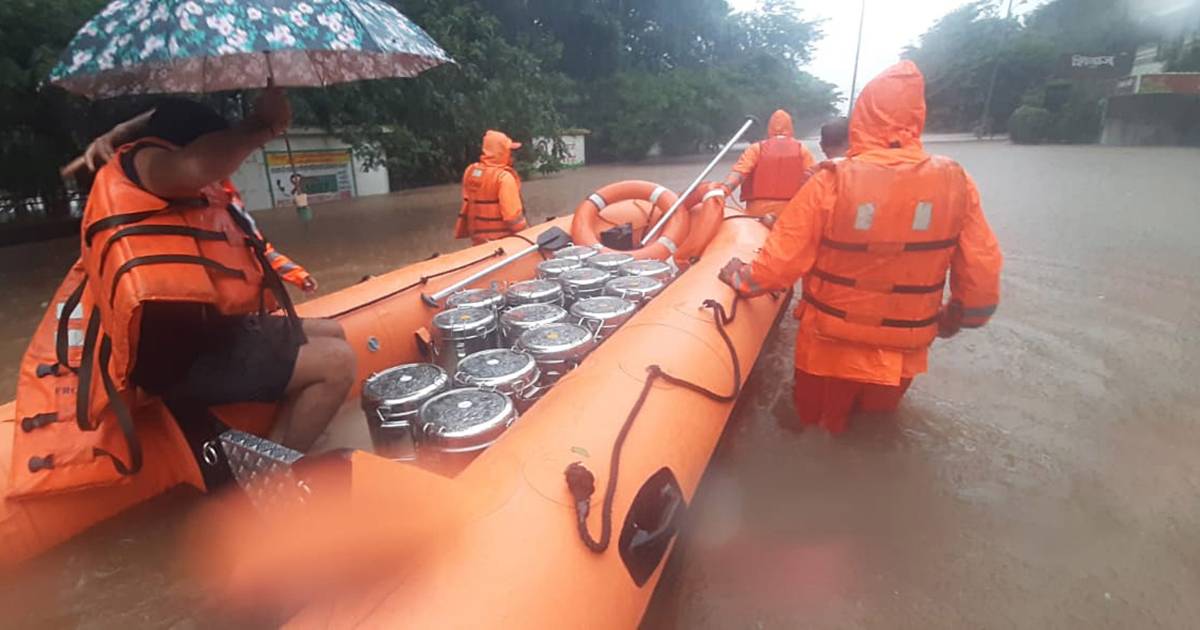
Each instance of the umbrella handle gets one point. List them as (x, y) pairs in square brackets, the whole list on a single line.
[(287, 143)]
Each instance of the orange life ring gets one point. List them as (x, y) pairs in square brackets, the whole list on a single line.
[(706, 204), (586, 225)]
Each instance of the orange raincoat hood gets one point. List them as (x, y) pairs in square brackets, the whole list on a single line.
[(497, 149), (890, 111), (780, 124)]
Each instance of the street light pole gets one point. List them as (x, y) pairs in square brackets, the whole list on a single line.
[(862, 13), (987, 102)]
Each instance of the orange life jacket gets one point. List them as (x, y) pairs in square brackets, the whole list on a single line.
[(881, 269), (779, 173), (75, 403), (481, 218)]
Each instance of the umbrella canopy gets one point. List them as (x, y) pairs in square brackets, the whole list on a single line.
[(159, 46)]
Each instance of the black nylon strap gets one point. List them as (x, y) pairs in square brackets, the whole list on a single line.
[(889, 323), (271, 278), (83, 391), (64, 322), (919, 246), (169, 259), (117, 220), (124, 418), (158, 230), (899, 288)]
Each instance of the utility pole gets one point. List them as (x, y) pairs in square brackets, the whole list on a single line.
[(857, 51), (984, 125)]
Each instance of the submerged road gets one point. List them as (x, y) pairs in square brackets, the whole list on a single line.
[(1044, 474)]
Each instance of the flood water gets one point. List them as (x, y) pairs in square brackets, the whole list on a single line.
[(1045, 473)]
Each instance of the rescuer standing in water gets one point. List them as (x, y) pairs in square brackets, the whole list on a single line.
[(492, 207), (874, 236), (772, 170)]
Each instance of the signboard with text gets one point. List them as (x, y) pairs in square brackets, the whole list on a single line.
[(1087, 66), (326, 175)]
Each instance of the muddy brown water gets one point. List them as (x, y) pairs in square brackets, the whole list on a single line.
[(1044, 474)]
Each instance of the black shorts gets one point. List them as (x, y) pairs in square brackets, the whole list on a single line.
[(212, 359), (248, 358)]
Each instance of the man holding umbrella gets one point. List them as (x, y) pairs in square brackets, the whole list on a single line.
[(175, 287)]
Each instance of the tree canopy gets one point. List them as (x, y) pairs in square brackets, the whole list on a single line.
[(636, 73)]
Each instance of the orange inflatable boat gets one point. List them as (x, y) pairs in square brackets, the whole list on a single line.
[(584, 492)]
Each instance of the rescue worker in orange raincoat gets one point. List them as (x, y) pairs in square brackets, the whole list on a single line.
[(492, 207), (874, 236), (772, 170)]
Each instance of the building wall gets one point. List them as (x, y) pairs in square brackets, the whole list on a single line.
[(1152, 119), (312, 151)]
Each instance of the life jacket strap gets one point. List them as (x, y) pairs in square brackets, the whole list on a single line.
[(866, 320), (874, 286)]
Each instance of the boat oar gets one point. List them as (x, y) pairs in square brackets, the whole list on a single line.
[(551, 240), (750, 120)]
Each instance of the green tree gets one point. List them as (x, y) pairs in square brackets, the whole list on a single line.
[(39, 128)]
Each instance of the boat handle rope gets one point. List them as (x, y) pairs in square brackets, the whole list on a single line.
[(582, 483)]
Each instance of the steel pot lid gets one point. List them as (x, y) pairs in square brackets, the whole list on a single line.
[(634, 287), (465, 419), (576, 252), (555, 340), (610, 261), (554, 267), (603, 308), (528, 315), (534, 291), (584, 278), (653, 268), (404, 384), (496, 368), (464, 319), (481, 298)]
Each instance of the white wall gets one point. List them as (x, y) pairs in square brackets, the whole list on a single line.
[(260, 193)]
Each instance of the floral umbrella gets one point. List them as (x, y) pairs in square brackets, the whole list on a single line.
[(158, 46)]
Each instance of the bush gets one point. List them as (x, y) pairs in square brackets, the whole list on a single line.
[(1078, 122), (1029, 125)]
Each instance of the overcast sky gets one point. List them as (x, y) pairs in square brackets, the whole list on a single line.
[(890, 25)]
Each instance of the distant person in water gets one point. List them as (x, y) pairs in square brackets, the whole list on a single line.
[(492, 207), (770, 171), (835, 138)]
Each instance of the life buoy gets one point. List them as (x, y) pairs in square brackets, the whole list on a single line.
[(706, 204), (587, 223)]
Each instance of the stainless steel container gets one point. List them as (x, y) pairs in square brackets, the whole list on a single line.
[(609, 261), (553, 268), (535, 292), (478, 298), (391, 400), (460, 332), (602, 315), (576, 252), (518, 319), (557, 348), (457, 424), (636, 289), (510, 372), (661, 270), (584, 282)]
